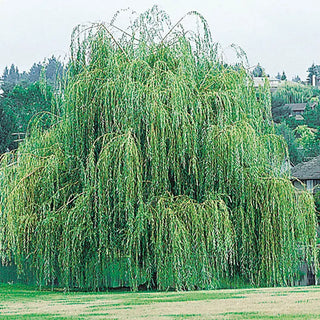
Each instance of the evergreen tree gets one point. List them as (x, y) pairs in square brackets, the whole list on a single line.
[(13, 76), (54, 70), (5, 74), (258, 71), (18, 107), (296, 79), (314, 70), (6, 129), (295, 153), (34, 73), (283, 77), (10, 78)]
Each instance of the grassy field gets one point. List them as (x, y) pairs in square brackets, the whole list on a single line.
[(18, 302)]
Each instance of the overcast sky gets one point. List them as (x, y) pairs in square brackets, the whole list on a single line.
[(280, 34)]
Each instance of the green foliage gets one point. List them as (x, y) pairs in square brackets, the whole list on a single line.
[(54, 71), (9, 78), (51, 70), (317, 204), (160, 168), (308, 146), (314, 70), (35, 72), (283, 76), (258, 71), (18, 107), (6, 128), (22, 104), (290, 93), (297, 79), (305, 136), (307, 140), (293, 93), (295, 153), (23, 97), (312, 116)]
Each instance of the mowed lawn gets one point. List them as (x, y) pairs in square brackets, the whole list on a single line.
[(18, 302)]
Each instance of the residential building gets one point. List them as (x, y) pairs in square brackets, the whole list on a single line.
[(307, 174)]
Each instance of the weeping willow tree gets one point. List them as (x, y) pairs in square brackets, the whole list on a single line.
[(160, 168)]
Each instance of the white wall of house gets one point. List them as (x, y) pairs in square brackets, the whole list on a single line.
[(309, 185)]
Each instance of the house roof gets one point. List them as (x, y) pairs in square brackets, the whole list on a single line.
[(307, 170), (296, 106), (274, 83), (299, 106)]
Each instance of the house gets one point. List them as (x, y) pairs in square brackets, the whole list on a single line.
[(306, 174), (297, 109), (274, 83)]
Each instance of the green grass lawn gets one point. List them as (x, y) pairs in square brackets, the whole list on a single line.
[(21, 302)]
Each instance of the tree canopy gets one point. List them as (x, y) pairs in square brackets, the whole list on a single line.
[(258, 71), (50, 70), (283, 76), (314, 70), (18, 106)]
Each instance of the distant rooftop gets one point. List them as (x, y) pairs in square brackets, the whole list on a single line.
[(299, 107), (274, 82), (307, 170), (296, 106)]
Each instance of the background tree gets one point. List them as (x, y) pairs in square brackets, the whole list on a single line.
[(283, 76), (308, 141), (9, 78), (53, 70), (290, 93), (6, 129), (308, 125), (296, 153), (312, 115), (296, 79), (23, 97), (18, 107), (314, 70), (5, 74), (22, 104), (258, 71), (35, 72)]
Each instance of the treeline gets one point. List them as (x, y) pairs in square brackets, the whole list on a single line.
[(50, 70), (23, 95)]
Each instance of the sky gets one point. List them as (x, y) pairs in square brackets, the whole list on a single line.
[(282, 35)]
